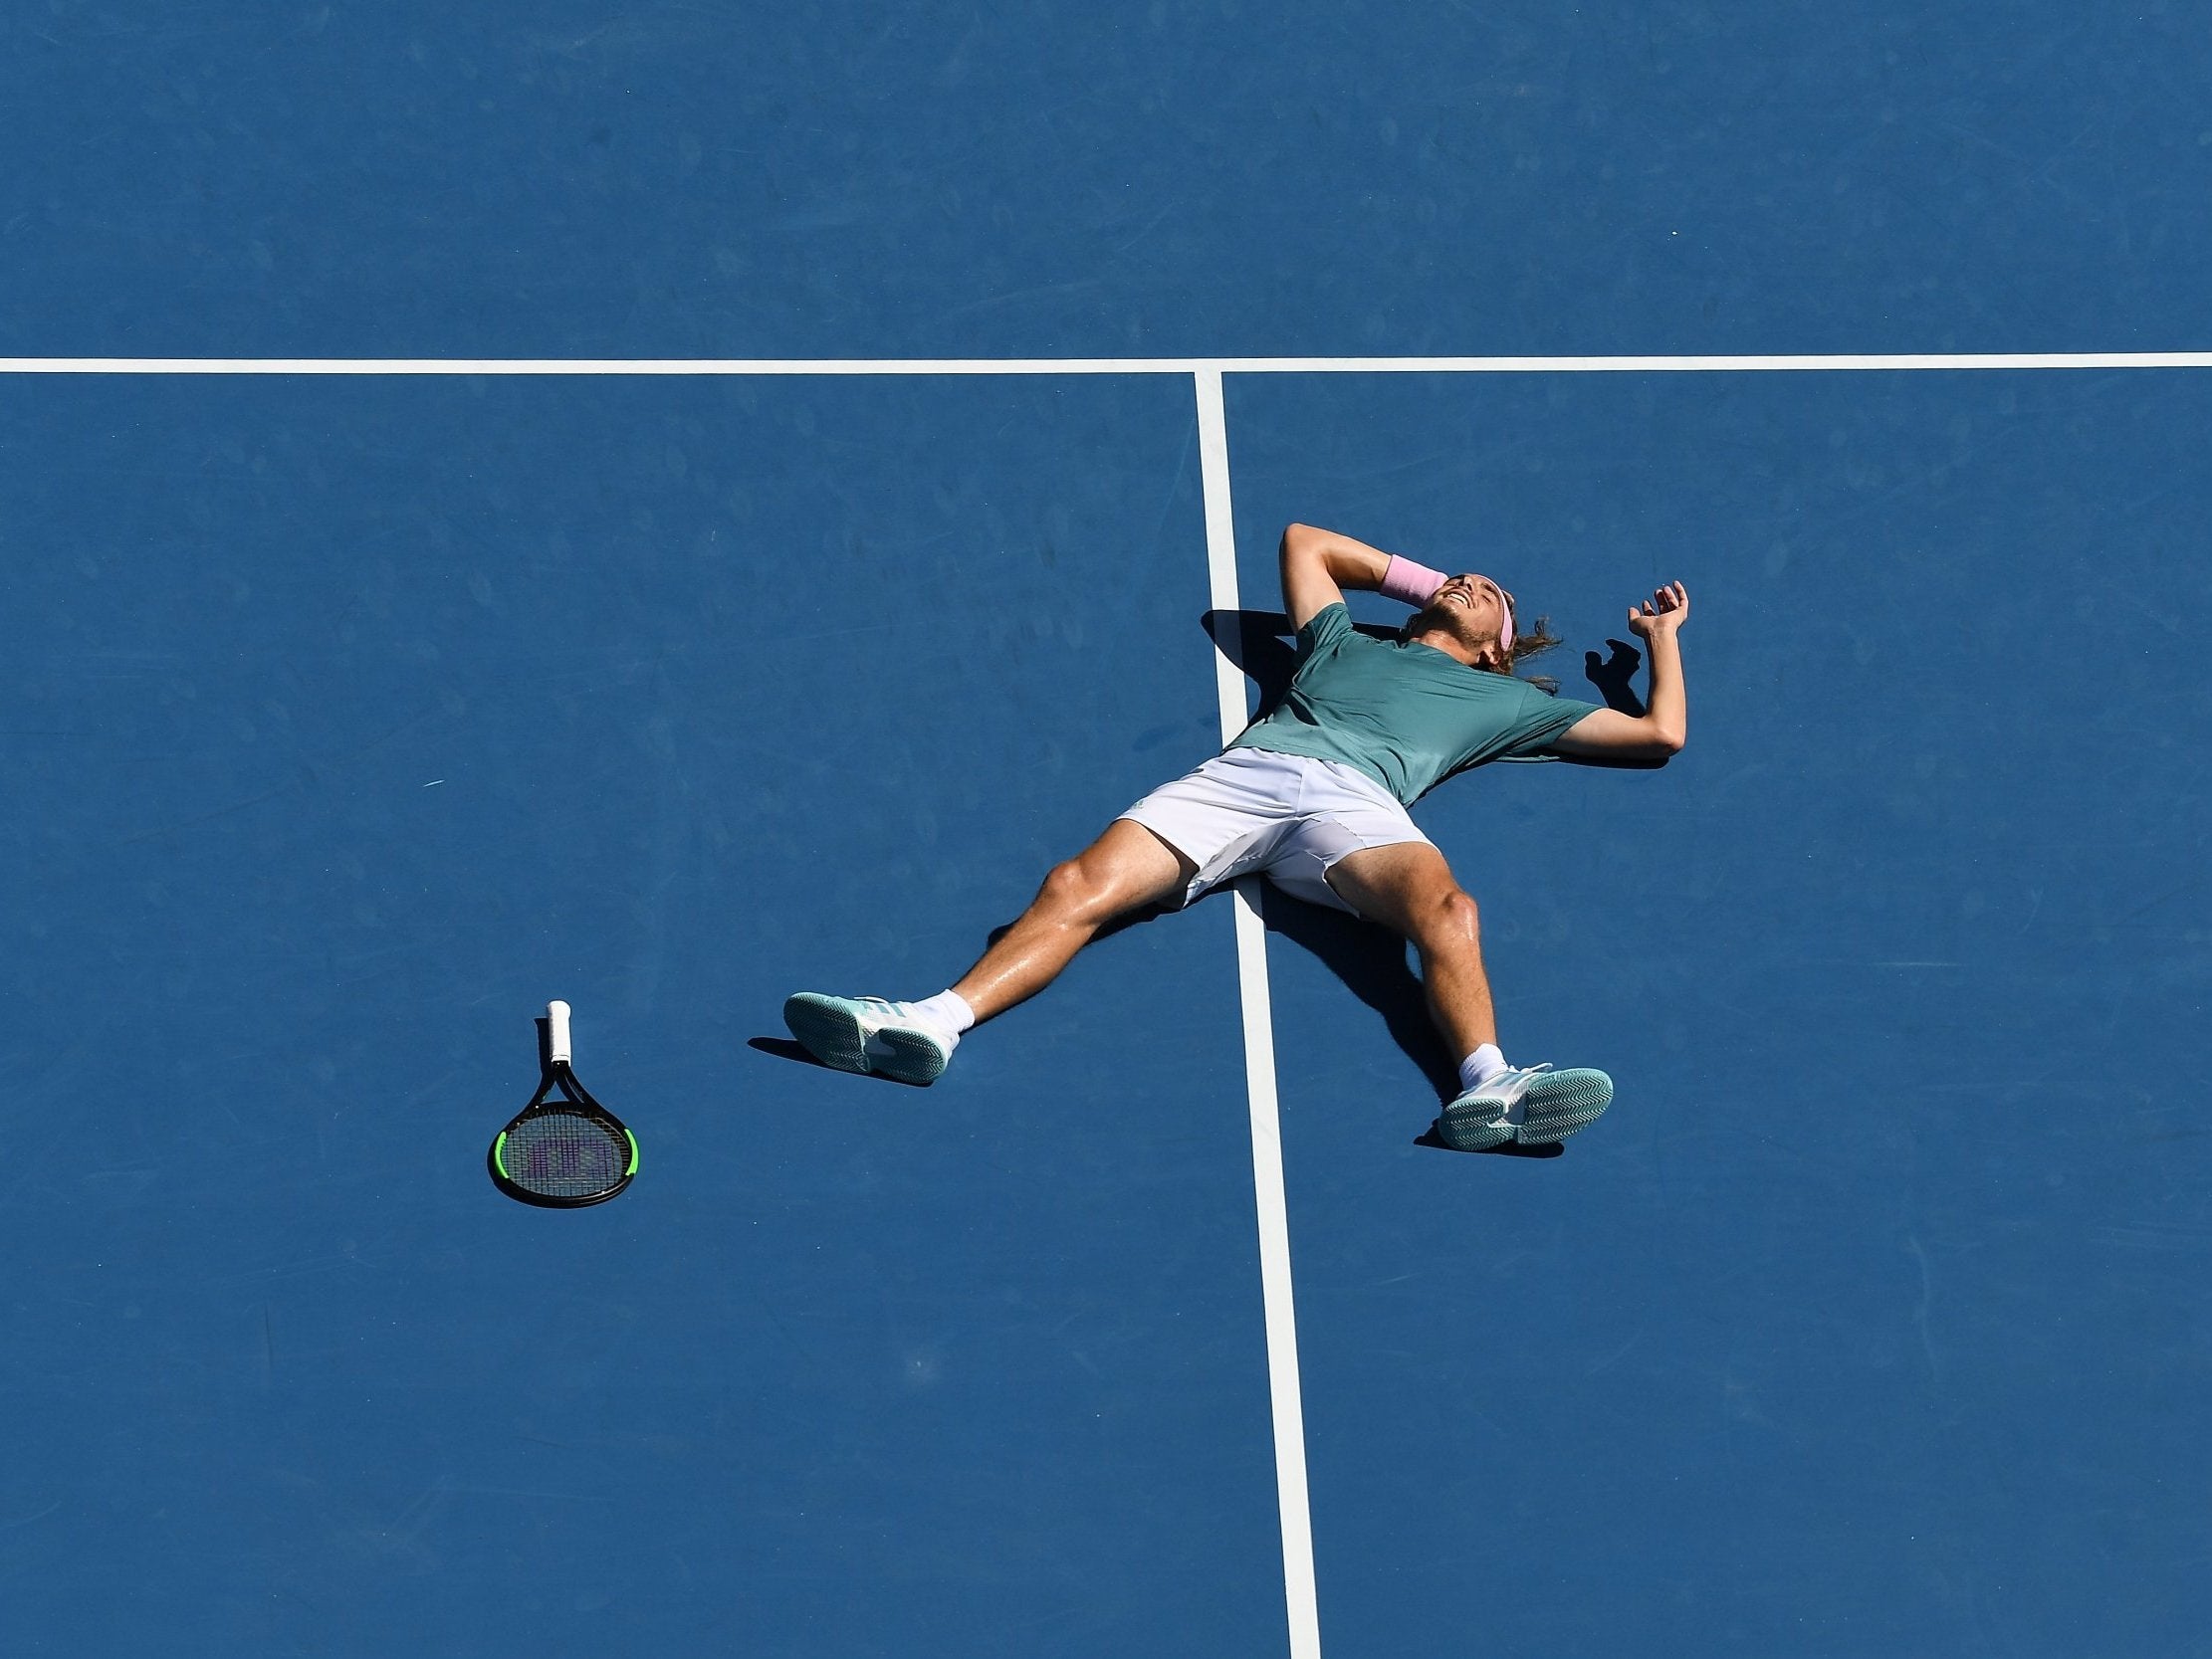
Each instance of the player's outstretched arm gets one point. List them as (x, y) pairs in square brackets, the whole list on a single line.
[(1664, 729)]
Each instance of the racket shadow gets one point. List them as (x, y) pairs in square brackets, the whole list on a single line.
[(589, 1160)]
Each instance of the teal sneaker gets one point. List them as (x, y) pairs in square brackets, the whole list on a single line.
[(1533, 1106), (869, 1035)]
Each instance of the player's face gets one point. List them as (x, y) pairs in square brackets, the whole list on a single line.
[(1473, 607)]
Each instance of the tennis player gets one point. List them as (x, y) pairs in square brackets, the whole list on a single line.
[(1313, 796)]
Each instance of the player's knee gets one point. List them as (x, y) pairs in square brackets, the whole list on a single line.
[(1455, 919), (1072, 889)]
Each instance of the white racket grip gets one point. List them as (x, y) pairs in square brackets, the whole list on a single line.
[(557, 1033)]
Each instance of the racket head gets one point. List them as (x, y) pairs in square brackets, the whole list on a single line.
[(563, 1153)]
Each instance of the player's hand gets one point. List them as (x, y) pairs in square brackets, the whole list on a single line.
[(1666, 610)]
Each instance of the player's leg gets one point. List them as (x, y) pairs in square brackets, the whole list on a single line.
[(1124, 868), (1409, 888)]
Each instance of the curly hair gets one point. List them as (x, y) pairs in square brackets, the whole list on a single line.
[(1535, 642)]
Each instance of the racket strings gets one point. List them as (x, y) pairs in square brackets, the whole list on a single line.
[(564, 1155)]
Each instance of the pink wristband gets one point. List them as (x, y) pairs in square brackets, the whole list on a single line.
[(1409, 583)]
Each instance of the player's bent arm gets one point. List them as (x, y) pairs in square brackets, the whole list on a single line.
[(1610, 735), (1317, 566)]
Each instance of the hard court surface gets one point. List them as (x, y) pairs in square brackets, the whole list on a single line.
[(349, 717)]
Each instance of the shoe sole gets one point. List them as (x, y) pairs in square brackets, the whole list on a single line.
[(1560, 1104), (1475, 1128), (1557, 1104), (833, 1036)]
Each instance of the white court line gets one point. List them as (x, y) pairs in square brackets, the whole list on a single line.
[(1266, 1131), (1100, 366), (1260, 1072)]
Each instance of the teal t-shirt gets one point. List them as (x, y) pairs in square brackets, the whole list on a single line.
[(1405, 715)]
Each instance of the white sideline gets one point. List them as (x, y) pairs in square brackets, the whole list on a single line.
[(1199, 366), (1260, 1072)]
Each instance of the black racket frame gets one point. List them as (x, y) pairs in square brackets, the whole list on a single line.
[(556, 1073)]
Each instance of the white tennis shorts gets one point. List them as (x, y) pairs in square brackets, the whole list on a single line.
[(1288, 817)]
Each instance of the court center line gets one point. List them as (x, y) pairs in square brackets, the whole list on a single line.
[(1767, 364), (1260, 1068)]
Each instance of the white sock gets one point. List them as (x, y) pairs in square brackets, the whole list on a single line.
[(946, 1011), (1480, 1066)]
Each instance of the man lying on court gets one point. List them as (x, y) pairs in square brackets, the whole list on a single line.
[(1313, 796)]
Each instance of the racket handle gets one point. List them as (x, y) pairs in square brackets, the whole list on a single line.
[(557, 1033)]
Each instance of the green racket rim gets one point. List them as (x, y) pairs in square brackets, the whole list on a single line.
[(515, 1187)]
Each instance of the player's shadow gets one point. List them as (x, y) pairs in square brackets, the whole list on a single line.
[(1370, 959), (1372, 962), (1260, 646), (783, 1048)]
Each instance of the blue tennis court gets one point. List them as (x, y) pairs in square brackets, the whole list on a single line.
[(671, 508)]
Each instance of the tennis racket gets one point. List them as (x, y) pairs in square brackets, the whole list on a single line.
[(562, 1152)]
